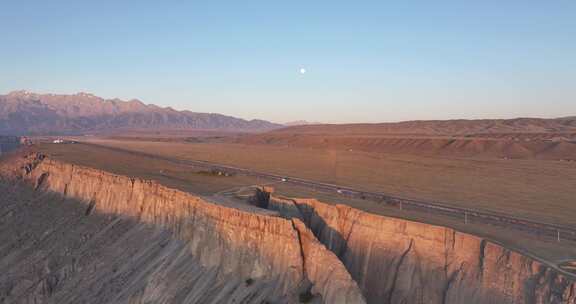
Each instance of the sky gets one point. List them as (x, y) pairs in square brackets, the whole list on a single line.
[(365, 61)]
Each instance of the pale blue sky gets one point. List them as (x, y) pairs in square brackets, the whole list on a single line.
[(367, 61)]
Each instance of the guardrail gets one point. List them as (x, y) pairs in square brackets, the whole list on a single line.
[(467, 215)]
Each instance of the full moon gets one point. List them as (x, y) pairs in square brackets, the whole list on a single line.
[(302, 70)]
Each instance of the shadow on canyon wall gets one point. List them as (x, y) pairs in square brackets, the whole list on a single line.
[(63, 250), (398, 261), (72, 234), (276, 255)]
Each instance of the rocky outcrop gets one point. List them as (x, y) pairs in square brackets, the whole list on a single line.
[(400, 261), (226, 241)]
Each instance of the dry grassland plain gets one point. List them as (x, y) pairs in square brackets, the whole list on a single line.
[(535, 189), (184, 178)]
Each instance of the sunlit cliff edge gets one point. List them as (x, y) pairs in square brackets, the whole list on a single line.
[(400, 261), (230, 244), (175, 248)]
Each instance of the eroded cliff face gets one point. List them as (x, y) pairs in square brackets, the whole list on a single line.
[(226, 243), (236, 241), (88, 236), (400, 261)]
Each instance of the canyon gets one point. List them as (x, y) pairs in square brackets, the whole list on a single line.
[(74, 234), (400, 261), (174, 246)]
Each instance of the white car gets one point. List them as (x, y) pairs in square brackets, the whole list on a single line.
[(284, 179)]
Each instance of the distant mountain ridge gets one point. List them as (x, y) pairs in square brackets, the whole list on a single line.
[(301, 123), (23, 112)]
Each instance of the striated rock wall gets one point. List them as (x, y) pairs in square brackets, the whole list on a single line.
[(331, 280), (234, 242), (52, 252), (400, 261), (218, 254)]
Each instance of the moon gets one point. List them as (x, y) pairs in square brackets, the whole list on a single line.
[(302, 71)]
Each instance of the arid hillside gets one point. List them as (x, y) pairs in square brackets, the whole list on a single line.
[(28, 113), (443, 127), (523, 138)]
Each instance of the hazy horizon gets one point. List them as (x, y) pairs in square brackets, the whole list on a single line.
[(365, 62)]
